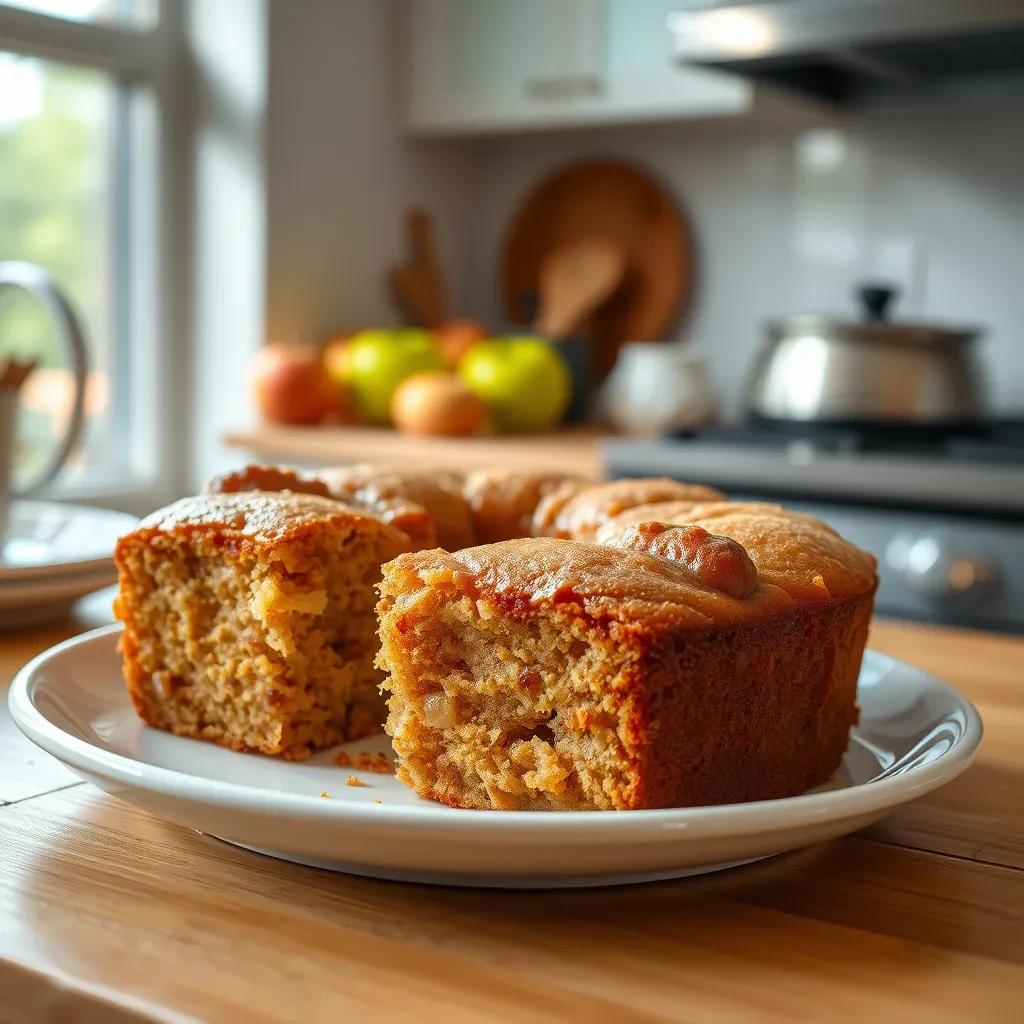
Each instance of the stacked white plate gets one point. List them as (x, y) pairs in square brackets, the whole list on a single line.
[(53, 554)]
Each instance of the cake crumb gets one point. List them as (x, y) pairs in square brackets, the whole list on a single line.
[(324, 795), (378, 762), (378, 802), (353, 781)]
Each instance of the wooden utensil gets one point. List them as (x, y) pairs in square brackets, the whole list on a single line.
[(574, 280), (616, 202), (418, 285)]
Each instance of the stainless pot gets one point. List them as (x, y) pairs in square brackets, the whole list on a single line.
[(817, 370)]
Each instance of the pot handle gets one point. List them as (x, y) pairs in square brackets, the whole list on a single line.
[(875, 300), (41, 286)]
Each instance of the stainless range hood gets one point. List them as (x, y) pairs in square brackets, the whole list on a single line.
[(849, 51)]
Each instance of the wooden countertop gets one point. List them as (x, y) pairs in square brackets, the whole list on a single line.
[(109, 914), (574, 447)]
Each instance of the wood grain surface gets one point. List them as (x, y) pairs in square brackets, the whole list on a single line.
[(109, 914), (575, 448)]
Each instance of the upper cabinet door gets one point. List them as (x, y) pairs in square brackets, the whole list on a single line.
[(478, 66)]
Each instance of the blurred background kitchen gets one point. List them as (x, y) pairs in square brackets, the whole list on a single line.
[(776, 247)]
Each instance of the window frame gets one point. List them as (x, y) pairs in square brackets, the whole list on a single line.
[(151, 229)]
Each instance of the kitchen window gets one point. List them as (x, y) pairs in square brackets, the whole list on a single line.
[(87, 111)]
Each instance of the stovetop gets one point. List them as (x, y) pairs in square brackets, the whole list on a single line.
[(978, 470), (998, 441)]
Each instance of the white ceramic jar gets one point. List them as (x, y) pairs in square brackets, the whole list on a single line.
[(657, 387)]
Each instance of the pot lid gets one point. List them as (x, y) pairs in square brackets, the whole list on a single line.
[(874, 300)]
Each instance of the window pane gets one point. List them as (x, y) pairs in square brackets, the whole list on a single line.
[(133, 13), (57, 209)]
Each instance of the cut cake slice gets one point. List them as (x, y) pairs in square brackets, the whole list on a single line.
[(249, 619)]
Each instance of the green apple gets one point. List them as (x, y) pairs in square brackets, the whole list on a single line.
[(524, 380), (377, 361)]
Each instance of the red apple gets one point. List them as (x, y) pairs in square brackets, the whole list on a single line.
[(437, 404), (457, 337), (290, 385)]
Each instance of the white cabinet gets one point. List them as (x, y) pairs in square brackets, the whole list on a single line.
[(479, 66)]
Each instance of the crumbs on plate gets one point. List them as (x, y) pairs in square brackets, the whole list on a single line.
[(353, 781), (324, 795), (378, 762)]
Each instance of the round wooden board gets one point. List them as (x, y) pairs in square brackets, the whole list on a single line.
[(620, 202)]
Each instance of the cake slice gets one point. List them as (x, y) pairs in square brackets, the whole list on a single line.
[(657, 670), (249, 619)]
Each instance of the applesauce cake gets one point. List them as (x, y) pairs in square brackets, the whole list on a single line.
[(672, 665), (249, 618)]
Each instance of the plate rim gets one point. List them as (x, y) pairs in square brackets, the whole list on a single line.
[(706, 822), (36, 573)]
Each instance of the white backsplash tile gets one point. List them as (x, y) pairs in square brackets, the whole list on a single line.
[(930, 198)]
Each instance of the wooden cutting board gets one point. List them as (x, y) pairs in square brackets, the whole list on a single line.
[(619, 202)]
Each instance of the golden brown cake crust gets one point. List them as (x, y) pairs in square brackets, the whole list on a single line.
[(796, 560), (792, 550), (683, 512), (601, 581), (264, 517), (577, 512), (428, 506), (265, 478), (502, 501)]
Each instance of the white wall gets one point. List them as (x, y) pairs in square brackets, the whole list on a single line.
[(340, 174), (934, 195), (227, 52)]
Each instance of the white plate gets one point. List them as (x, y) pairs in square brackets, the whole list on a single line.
[(915, 734), (31, 602), (50, 538)]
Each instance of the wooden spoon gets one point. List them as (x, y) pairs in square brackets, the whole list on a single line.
[(418, 285), (574, 280)]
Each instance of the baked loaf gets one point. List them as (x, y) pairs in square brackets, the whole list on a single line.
[(671, 665), (248, 619)]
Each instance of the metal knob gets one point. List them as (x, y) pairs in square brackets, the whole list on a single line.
[(875, 300)]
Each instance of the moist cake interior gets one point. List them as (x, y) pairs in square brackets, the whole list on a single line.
[(490, 710), (268, 651)]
